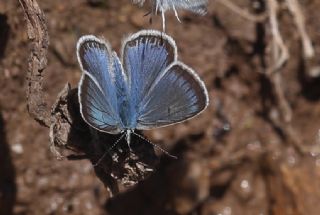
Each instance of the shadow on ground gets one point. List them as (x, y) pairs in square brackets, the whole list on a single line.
[(7, 175)]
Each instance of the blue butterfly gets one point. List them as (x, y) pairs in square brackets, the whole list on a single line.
[(148, 88), (195, 6)]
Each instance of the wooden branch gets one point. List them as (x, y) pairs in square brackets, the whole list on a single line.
[(39, 38)]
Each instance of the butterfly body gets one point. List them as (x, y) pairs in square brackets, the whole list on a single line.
[(146, 89)]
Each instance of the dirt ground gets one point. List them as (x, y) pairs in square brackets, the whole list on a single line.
[(243, 155)]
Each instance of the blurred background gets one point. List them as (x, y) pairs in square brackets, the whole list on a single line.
[(255, 150)]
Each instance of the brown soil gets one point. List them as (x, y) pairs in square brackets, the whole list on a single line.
[(238, 157)]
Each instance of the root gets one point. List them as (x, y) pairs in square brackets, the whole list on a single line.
[(299, 19), (243, 13), (280, 53)]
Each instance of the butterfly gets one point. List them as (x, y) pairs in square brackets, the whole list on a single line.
[(147, 88), (195, 6)]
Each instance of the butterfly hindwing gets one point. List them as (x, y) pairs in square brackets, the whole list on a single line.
[(95, 109), (177, 95)]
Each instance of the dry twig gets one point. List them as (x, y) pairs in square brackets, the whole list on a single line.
[(279, 49), (299, 19), (39, 38), (243, 13)]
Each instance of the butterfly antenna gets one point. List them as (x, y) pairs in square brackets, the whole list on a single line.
[(163, 21), (107, 151), (155, 145), (176, 13)]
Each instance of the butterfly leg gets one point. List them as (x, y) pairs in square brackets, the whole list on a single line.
[(155, 145), (163, 21), (107, 151)]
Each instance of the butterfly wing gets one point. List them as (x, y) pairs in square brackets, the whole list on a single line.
[(98, 88), (196, 6), (177, 95), (139, 2), (146, 55)]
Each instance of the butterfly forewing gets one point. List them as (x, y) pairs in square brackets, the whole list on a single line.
[(177, 95)]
